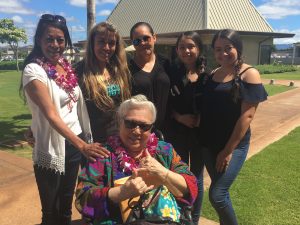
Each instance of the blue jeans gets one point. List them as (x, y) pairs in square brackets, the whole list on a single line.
[(221, 182), (197, 167)]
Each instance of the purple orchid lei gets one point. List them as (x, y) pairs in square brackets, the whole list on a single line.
[(126, 162), (65, 81)]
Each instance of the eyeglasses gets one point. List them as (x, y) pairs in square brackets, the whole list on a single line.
[(131, 124), (137, 41), (53, 18)]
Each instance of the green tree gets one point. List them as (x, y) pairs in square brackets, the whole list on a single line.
[(12, 35)]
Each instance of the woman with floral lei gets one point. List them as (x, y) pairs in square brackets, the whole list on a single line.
[(59, 119), (104, 79), (151, 170), (230, 98)]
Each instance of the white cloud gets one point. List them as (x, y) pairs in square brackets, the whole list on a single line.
[(14, 6), (107, 1), (277, 9), (294, 39), (78, 28), (71, 19), (104, 12), (17, 19), (79, 3), (82, 3)]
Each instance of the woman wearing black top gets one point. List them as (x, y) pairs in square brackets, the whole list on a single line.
[(149, 71), (187, 78), (230, 98)]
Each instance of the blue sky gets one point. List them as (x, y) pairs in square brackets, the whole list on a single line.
[(282, 15)]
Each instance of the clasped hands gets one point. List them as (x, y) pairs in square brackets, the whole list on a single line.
[(148, 176)]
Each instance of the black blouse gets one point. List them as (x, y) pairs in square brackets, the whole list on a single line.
[(154, 85), (219, 113)]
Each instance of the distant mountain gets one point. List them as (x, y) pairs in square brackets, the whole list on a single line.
[(283, 46)]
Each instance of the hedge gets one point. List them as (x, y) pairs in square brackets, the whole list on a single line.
[(10, 65), (275, 68)]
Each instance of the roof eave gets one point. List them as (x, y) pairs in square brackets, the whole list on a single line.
[(209, 31)]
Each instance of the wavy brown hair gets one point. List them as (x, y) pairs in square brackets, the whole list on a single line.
[(117, 67)]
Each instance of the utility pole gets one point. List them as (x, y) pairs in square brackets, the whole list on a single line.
[(91, 11)]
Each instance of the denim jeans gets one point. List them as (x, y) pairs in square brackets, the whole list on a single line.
[(197, 167), (56, 190), (221, 182)]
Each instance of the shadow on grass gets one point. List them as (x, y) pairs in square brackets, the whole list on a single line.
[(22, 117), (14, 129)]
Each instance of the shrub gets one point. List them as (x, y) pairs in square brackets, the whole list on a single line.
[(10, 65), (275, 68)]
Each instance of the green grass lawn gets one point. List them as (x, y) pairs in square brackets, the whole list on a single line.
[(14, 115), (295, 75), (276, 89), (266, 192)]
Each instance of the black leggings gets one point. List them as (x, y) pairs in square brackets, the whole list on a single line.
[(56, 190)]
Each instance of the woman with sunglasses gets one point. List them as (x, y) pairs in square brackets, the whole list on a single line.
[(156, 174), (104, 79), (230, 98), (59, 119), (187, 80), (149, 70)]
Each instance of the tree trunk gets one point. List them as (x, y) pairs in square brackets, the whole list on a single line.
[(91, 9), (17, 56)]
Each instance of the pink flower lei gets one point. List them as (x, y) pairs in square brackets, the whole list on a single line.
[(65, 81), (126, 162)]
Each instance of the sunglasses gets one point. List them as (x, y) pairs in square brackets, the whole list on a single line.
[(137, 41), (131, 124), (53, 18)]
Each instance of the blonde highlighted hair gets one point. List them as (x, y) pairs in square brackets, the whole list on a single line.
[(117, 67)]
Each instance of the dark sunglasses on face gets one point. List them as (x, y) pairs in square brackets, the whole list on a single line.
[(53, 18), (138, 41), (131, 124)]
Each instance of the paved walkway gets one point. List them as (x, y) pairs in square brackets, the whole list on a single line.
[(19, 201)]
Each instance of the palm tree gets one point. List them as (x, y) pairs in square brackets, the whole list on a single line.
[(91, 9)]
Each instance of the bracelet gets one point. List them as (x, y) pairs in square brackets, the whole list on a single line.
[(166, 177)]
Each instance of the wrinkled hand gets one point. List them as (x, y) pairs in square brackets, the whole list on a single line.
[(94, 151), (223, 160), (151, 170), (135, 186), (28, 135), (189, 120)]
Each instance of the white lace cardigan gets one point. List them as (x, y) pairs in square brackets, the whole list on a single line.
[(49, 148)]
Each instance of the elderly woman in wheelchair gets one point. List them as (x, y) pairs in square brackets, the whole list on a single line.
[(143, 181)]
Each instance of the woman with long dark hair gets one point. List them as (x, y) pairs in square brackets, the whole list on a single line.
[(187, 80), (230, 98), (60, 122)]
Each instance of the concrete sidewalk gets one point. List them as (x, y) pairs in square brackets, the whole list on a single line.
[(19, 200)]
